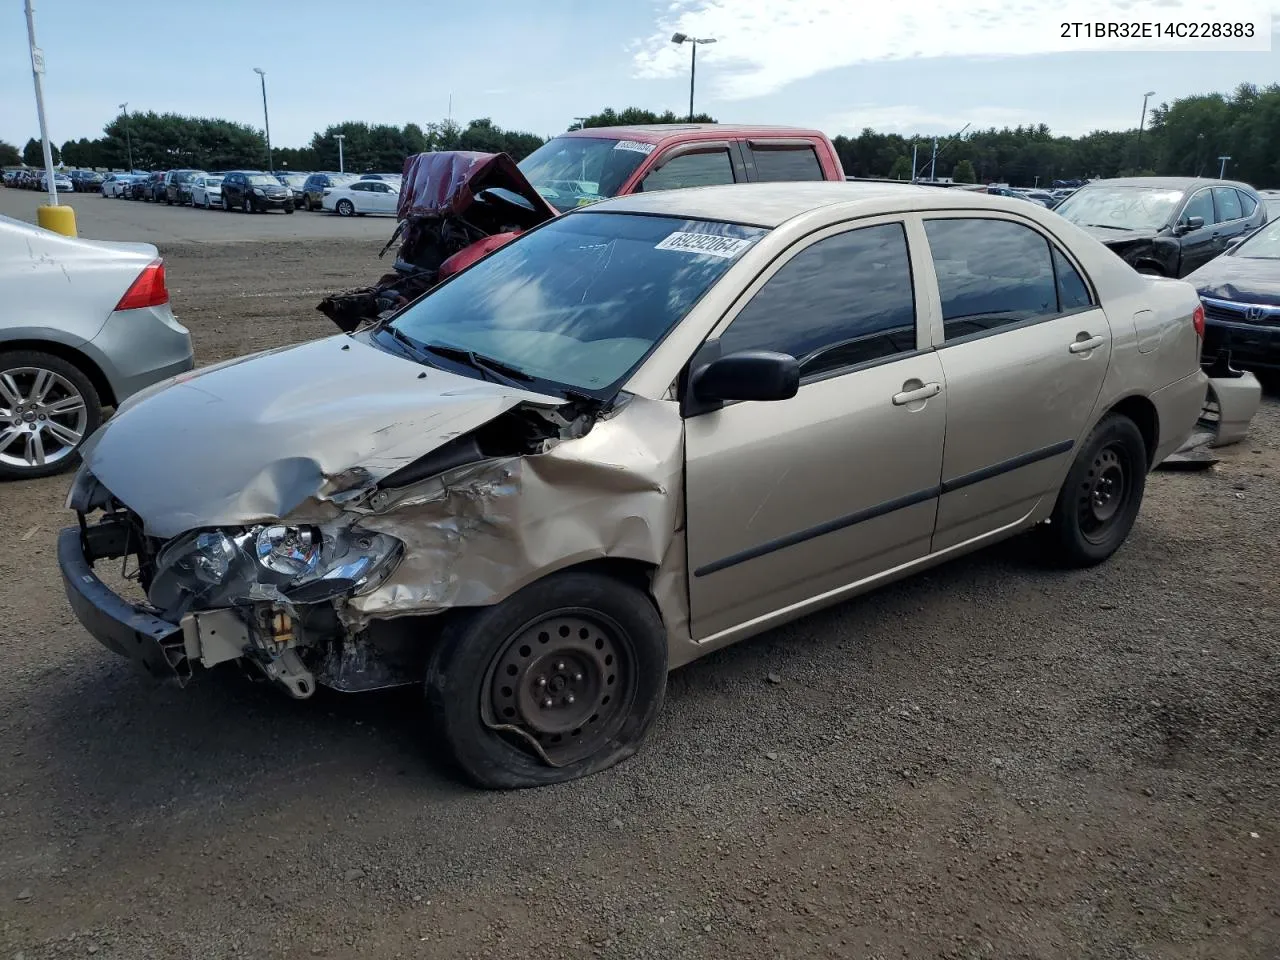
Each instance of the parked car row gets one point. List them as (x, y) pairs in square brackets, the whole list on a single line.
[(38, 180), (255, 190)]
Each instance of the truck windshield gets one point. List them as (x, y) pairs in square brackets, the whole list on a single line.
[(577, 303), (573, 171)]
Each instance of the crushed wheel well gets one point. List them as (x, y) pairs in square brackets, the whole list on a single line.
[(72, 356), (1143, 413)]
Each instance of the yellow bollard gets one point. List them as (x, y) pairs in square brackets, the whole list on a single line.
[(59, 219)]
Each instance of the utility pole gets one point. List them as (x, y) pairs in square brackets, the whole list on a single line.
[(266, 123), (933, 163), (915, 147), (340, 137), (1141, 124), (1222, 170), (128, 140), (693, 60)]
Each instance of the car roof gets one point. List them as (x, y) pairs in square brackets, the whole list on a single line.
[(772, 204), (659, 132), (1169, 183)]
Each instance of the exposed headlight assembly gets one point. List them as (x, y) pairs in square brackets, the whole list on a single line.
[(258, 192), (273, 562)]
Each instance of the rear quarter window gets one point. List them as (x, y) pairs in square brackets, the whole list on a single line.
[(785, 162)]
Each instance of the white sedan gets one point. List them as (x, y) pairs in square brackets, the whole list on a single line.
[(361, 197), (207, 192)]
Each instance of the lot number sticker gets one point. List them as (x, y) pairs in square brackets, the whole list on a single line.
[(706, 243), (635, 146)]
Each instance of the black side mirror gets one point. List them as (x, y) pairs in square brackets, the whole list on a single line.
[(746, 375)]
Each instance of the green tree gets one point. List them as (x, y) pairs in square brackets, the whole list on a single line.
[(901, 168), (631, 116), (9, 155), (963, 172)]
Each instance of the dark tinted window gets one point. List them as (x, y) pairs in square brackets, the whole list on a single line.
[(991, 273), (1200, 205), (691, 170), (1247, 203), (844, 300), (786, 163), (1228, 203), (1073, 292), (362, 186)]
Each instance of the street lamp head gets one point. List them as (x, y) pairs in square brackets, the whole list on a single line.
[(1149, 93), (259, 71), (678, 38), (706, 40)]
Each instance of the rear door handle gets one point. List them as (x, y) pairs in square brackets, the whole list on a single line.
[(915, 396), (1084, 346)]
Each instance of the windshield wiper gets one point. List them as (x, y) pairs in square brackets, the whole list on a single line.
[(1107, 226), (495, 369)]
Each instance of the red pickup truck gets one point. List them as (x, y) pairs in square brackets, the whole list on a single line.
[(456, 207)]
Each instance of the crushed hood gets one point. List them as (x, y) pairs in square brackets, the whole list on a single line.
[(253, 440), (1243, 279), (444, 184)]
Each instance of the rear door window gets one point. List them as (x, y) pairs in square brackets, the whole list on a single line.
[(704, 169), (991, 274), (785, 162), (1247, 203), (1227, 202)]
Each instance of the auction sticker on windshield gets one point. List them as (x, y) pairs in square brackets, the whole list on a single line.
[(711, 244), (635, 146)]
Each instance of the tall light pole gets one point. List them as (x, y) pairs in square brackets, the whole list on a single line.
[(340, 137), (1222, 170), (266, 123), (128, 140), (693, 60), (37, 73), (1142, 124)]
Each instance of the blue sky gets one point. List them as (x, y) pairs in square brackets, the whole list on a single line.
[(839, 65)]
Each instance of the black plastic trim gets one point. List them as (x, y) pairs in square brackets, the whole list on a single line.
[(1007, 466)]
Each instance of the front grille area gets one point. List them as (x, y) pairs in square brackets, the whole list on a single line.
[(1228, 311)]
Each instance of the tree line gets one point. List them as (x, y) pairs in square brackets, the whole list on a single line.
[(1183, 138)]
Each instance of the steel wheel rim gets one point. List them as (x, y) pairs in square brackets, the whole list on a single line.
[(43, 417), (1104, 492), (563, 685)]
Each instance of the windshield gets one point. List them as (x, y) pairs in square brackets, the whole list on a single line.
[(294, 179), (579, 302), (572, 171), (1121, 208), (262, 180), (1263, 245)]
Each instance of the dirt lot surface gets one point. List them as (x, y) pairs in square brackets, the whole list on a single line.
[(990, 761)]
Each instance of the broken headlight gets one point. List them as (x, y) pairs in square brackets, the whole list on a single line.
[(274, 562)]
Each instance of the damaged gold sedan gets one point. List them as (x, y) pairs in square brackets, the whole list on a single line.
[(635, 434)]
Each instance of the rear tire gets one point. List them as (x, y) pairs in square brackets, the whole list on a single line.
[(345, 208), (572, 636), (1100, 499), (56, 411)]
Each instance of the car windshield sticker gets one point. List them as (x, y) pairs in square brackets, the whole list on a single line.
[(710, 244), (635, 146)]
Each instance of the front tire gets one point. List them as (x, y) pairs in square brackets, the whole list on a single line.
[(1100, 499), (561, 680), (47, 409), (248, 204)]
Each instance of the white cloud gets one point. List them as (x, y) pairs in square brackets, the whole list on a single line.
[(764, 45)]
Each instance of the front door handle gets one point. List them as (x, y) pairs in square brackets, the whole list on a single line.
[(1084, 346), (916, 394)]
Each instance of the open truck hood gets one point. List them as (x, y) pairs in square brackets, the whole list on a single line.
[(254, 439), (444, 184)]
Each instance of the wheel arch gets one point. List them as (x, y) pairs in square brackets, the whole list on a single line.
[(1145, 417), (77, 358)]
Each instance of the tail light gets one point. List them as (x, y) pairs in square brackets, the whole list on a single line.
[(1197, 320), (148, 290)]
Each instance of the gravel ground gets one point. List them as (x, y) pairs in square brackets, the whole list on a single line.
[(993, 760)]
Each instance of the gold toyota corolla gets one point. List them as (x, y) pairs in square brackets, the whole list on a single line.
[(638, 433)]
